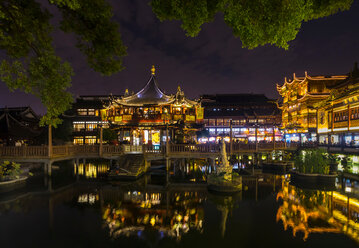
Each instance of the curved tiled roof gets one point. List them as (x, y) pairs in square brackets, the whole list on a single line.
[(150, 94)]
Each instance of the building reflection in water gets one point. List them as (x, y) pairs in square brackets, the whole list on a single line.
[(315, 211), (171, 214), (88, 198), (91, 170)]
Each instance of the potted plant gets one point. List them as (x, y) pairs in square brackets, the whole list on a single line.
[(312, 169)]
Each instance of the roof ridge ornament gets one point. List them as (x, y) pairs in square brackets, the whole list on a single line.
[(153, 70)]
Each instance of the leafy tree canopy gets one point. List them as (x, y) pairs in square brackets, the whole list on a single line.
[(256, 22), (31, 64)]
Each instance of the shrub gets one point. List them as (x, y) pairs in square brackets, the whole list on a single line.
[(9, 170), (312, 161)]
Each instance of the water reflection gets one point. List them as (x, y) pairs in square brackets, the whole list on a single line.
[(91, 170), (151, 211), (225, 204), (315, 211), (170, 214)]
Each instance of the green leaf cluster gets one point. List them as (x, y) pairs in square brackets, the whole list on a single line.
[(9, 170), (97, 36), (31, 64), (256, 22), (312, 161)]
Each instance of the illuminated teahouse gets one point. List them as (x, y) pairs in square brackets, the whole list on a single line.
[(151, 117), (300, 96)]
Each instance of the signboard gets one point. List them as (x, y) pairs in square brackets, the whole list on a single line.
[(190, 118), (127, 117), (322, 121), (200, 113), (103, 114), (118, 118)]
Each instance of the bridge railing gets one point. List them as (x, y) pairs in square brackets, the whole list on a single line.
[(111, 150), (132, 149), (195, 148), (74, 150), (23, 151), (153, 149), (57, 151)]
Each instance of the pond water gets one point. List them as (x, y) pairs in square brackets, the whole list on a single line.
[(86, 210)]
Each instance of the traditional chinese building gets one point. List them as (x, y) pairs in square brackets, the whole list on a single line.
[(300, 97), (338, 116), (85, 116), (250, 117), (19, 125), (148, 115)]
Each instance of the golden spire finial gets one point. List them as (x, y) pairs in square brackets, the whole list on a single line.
[(179, 88), (153, 70)]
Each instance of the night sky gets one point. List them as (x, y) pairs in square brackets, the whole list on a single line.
[(213, 62)]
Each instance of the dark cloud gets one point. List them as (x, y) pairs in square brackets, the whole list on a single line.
[(213, 62)]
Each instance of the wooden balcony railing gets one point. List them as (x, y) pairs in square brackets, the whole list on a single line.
[(112, 150), (23, 151)]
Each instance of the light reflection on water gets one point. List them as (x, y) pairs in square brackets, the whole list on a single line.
[(315, 211), (144, 210)]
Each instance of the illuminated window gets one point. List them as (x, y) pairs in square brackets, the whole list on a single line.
[(82, 111), (91, 126), (235, 122), (78, 126), (212, 131), (205, 122), (78, 140), (212, 122), (219, 122), (177, 111), (91, 112), (226, 122), (90, 140)]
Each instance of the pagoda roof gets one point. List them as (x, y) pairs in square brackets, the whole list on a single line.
[(19, 122), (329, 81), (151, 94)]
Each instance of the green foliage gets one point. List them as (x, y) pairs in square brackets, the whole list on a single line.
[(346, 166), (31, 64), (63, 131), (256, 22), (312, 161), (109, 135), (97, 35), (9, 170)]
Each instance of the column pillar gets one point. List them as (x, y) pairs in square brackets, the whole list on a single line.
[(256, 137), (167, 142), (50, 141), (131, 137), (230, 138), (273, 137), (49, 170), (101, 141), (168, 165)]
